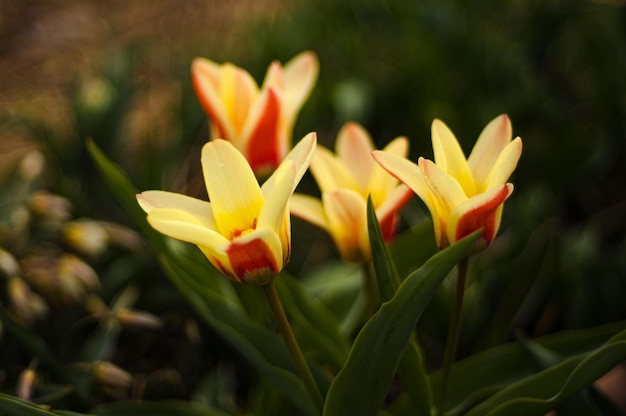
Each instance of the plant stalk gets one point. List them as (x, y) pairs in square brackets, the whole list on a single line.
[(453, 332), (292, 345)]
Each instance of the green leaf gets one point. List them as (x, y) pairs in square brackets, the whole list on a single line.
[(339, 286), (361, 386), (160, 408), (481, 375), (411, 370), (13, 406), (117, 181), (317, 330), (539, 393), (262, 347)]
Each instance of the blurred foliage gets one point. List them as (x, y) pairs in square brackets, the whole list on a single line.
[(556, 67)]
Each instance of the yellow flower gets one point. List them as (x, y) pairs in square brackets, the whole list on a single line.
[(462, 195), (257, 121), (345, 181), (245, 229)]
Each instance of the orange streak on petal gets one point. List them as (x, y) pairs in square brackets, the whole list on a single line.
[(205, 103), (264, 147), (483, 216)]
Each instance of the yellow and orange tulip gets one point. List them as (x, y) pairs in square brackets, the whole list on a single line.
[(245, 229), (462, 194), (257, 121), (345, 181)]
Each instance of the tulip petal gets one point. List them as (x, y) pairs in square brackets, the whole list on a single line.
[(301, 156), (380, 182), (226, 94), (234, 193), (300, 74), (354, 147), (505, 164), (184, 226), (450, 157), (492, 140), (256, 257), (277, 197), (330, 172), (411, 174), (263, 145), (347, 218), (309, 209), (201, 210), (388, 210), (481, 211)]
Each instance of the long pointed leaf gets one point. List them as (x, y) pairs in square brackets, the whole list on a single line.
[(540, 393), (361, 386), (411, 370)]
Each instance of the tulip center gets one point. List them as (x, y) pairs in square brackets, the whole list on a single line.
[(239, 233)]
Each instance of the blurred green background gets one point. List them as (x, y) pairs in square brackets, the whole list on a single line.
[(119, 72)]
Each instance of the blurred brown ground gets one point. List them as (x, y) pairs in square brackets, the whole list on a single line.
[(44, 44)]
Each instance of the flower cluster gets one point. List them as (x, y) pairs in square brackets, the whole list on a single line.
[(244, 230)]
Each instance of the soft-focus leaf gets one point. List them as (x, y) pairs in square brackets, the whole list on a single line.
[(339, 286), (477, 377), (313, 322), (13, 406), (362, 384), (31, 342), (541, 392), (160, 408)]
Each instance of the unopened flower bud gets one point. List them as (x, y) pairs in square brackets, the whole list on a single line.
[(87, 237), (137, 319), (8, 265), (50, 207), (26, 384), (111, 375), (27, 305), (31, 166)]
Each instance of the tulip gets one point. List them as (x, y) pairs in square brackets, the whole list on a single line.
[(257, 121), (345, 181), (462, 195), (244, 230)]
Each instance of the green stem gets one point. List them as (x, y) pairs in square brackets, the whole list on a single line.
[(371, 290), (453, 332), (292, 345)]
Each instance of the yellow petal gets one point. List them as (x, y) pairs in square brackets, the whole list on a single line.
[(300, 75), (481, 211), (309, 209), (450, 157), (411, 174), (301, 156), (330, 172), (347, 219), (234, 193), (381, 183), (185, 227), (238, 92), (277, 197), (492, 140), (446, 188), (201, 210), (505, 164), (354, 147), (206, 82), (394, 202)]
